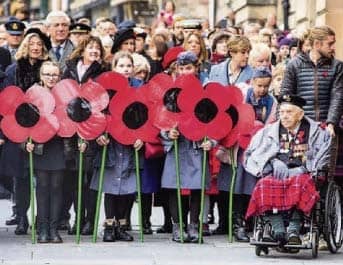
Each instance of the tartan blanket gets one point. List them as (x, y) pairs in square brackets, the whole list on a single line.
[(270, 193)]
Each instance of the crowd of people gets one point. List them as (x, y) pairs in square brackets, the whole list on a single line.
[(262, 60)]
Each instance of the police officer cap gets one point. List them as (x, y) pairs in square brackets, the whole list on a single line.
[(79, 28), (191, 24), (292, 99), (15, 27)]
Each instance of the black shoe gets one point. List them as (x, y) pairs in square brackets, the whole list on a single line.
[(193, 233), (220, 231), (293, 238), (108, 233), (177, 234), (241, 235), (206, 230), (55, 237), (64, 225), (87, 229), (43, 234), (164, 229), (72, 230), (23, 225), (121, 234), (13, 220)]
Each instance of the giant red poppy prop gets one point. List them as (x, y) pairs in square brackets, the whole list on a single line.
[(164, 92), (112, 82), (204, 111), (79, 108), (245, 138), (243, 117), (131, 116), (28, 115)]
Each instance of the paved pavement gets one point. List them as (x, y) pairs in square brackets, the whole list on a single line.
[(156, 250)]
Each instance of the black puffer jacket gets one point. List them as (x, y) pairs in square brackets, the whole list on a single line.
[(321, 85)]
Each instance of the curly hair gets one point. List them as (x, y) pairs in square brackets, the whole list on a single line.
[(23, 50)]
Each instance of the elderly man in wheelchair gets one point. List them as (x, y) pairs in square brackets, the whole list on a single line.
[(291, 157)]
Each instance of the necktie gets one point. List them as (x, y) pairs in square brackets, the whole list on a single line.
[(58, 52), (13, 52)]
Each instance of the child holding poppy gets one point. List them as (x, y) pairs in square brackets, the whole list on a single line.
[(49, 166), (119, 177), (190, 158)]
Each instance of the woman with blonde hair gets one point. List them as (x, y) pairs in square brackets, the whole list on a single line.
[(31, 53)]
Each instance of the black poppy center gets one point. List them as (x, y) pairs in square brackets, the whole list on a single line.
[(79, 109), (27, 115), (135, 115), (111, 93), (206, 110), (170, 99), (232, 111)]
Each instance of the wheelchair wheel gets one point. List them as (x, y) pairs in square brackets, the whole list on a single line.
[(333, 218), (260, 249), (314, 243)]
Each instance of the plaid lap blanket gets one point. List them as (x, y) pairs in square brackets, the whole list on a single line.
[(271, 193)]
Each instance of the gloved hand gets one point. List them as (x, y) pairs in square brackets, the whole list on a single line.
[(280, 169)]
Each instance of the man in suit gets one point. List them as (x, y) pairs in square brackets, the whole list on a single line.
[(58, 24)]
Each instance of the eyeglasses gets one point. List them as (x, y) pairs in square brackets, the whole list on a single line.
[(50, 75)]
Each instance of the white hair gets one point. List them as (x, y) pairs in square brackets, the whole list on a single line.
[(54, 14)]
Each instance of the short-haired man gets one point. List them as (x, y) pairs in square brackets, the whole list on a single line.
[(58, 24)]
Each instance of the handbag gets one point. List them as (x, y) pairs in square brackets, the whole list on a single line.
[(153, 150)]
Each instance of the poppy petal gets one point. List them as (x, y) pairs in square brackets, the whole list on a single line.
[(219, 127), (64, 91), (159, 84), (11, 97), (96, 95), (67, 126), (13, 130), (40, 97), (45, 129), (112, 81), (94, 126), (231, 139)]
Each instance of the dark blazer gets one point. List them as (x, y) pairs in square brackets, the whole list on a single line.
[(5, 58)]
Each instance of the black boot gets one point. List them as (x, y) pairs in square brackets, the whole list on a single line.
[(177, 234), (193, 233), (43, 233), (108, 231), (87, 229), (55, 236), (120, 232), (147, 227), (239, 230), (23, 225)]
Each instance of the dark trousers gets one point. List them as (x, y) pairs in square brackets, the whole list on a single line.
[(22, 193), (49, 192), (146, 207), (240, 206), (88, 201), (116, 206), (189, 203)]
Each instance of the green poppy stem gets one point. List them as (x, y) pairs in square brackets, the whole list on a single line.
[(79, 194), (138, 181), (203, 179), (178, 187), (32, 197), (99, 196), (232, 187)]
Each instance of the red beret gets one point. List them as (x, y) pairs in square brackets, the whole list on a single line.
[(171, 56)]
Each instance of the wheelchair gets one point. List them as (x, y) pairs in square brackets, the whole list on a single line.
[(325, 220)]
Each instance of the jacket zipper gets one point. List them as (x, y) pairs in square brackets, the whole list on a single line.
[(316, 105)]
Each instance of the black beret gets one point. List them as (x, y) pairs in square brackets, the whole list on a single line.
[(15, 27), (121, 36), (79, 28), (43, 37), (292, 99)]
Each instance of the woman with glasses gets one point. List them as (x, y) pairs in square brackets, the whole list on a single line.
[(31, 53), (49, 165)]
